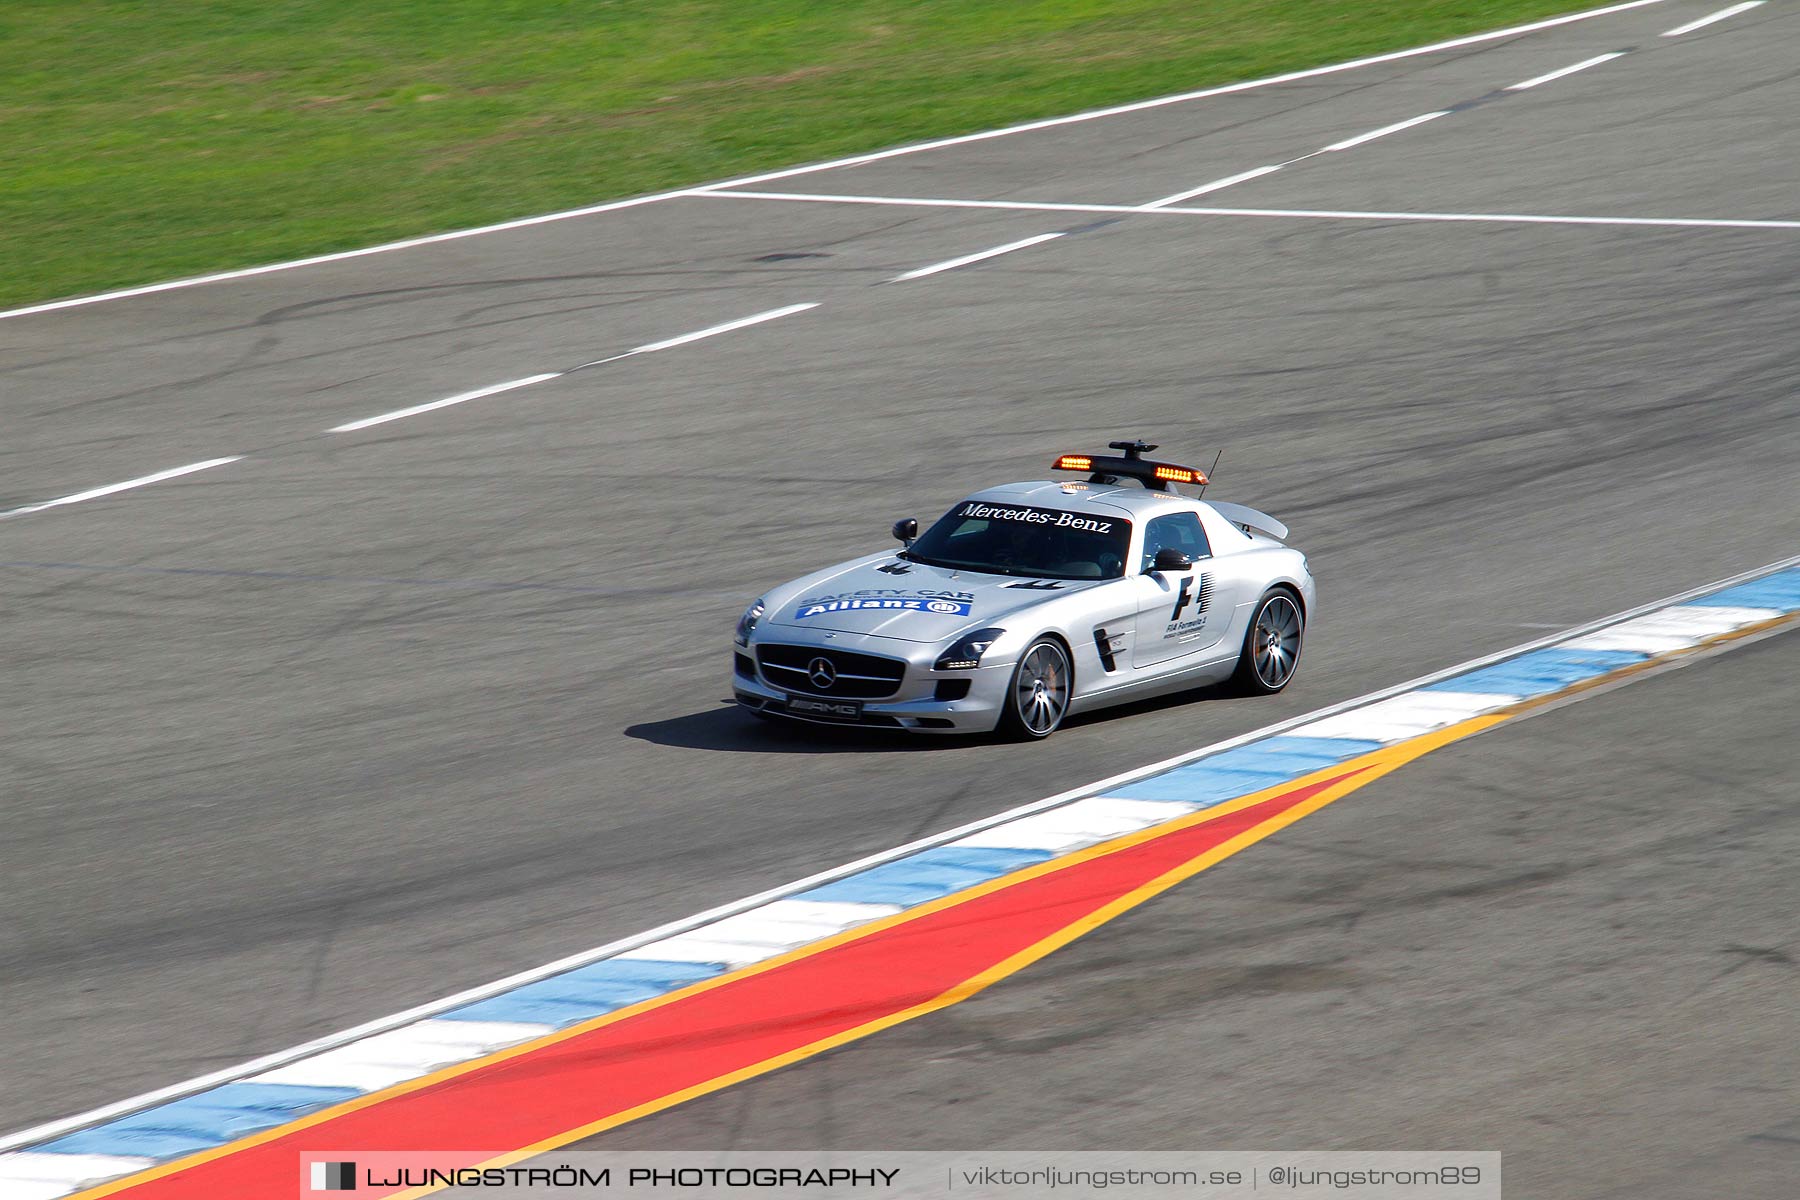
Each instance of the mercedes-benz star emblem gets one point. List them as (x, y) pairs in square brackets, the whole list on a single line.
[(821, 673)]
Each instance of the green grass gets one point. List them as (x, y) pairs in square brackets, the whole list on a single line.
[(144, 139)]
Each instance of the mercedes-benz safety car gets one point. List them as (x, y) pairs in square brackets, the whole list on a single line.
[(1029, 602)]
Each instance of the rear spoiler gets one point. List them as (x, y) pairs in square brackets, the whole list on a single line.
[(1249, 519)]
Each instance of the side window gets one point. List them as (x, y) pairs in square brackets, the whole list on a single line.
[(1178, 531)]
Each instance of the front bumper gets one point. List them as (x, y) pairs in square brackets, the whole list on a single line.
[(914, 706)]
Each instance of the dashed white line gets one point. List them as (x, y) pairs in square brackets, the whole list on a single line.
[(853, 161), (712, 331), (1721, 15), (1215, 185), (965, 260), (1296, 213), (494, 389), (1396, 127), (127, 485), (1568, 70), (446, 402)]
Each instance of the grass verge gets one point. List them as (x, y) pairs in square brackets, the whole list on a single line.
[(145, 141)]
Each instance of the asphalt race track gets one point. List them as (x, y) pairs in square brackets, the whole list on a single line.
[(368, 717), (1520, 942)]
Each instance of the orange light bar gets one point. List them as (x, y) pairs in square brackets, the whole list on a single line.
[(1179, 474), (1074, 462)]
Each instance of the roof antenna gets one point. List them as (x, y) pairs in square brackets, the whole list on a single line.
[(1213, 471), (1134, 449)]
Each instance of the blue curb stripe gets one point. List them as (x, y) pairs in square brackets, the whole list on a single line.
[(996, 859), (603, 994), (157, 1144), (289, 1099), (1307, 753), (663, 973), (1781, 590), (1245, 769), (1540, 672), (1201, 786), (203, 1120), (906, 882), (586, 992), (511, 1006)]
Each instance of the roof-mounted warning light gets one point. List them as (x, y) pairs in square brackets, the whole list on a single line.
[(1156, 476)]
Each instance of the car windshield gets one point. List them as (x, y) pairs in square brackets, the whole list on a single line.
[(1013, 539)]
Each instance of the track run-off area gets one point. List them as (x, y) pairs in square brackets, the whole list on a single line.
[(368, 618)]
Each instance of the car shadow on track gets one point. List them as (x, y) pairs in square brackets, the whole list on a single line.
[(731, 729)]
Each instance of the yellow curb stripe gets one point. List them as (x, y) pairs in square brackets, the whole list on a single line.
[(1376, 764)]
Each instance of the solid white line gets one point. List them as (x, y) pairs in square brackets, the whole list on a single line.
[(1215, 185), (1703, 22), (715, 330), (966, 259), (446, 402), (333, 1041), (1503, 218), (339, 256), (930, 202), (111, 488), (835, 164), (1303, 213), (1569, 70), (1396, 127)]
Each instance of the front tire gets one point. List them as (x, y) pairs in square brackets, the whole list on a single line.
[(1038, 697), (1272, 644)]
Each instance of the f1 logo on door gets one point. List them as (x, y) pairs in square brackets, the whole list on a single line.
[(1182, 597), (1194, 590), (1175, 617)]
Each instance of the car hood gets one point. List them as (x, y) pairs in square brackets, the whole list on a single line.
[(890, 597)]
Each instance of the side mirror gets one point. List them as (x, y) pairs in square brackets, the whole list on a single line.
[(907, 529), (1170, 559)]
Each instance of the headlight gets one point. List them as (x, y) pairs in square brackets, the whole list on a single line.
[(965, 654), (748, 621)]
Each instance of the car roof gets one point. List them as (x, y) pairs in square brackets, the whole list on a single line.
[(1134, 501)]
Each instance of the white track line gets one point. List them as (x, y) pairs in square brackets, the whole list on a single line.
[(932, 202), (1703, 22), (127, 485), (835, 164), (1297, 213), (1396, 127), (965, 260), (1215, 185), (494, 389), (280, 1058), (1362, 138), (715, 330), (460, 398), (1569, 70)]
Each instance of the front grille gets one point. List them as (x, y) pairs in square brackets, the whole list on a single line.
[(859, 676)]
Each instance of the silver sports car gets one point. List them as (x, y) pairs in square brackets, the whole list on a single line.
[(1031, 601)]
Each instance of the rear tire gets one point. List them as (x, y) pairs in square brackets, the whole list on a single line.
[(1272, 644), (1038, 697)]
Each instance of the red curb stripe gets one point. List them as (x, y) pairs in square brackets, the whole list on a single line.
[(737, 1026)]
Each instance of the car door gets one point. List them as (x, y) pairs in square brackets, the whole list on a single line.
[(1177, 615)]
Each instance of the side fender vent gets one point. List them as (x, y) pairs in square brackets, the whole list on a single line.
[(1103, 642)]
